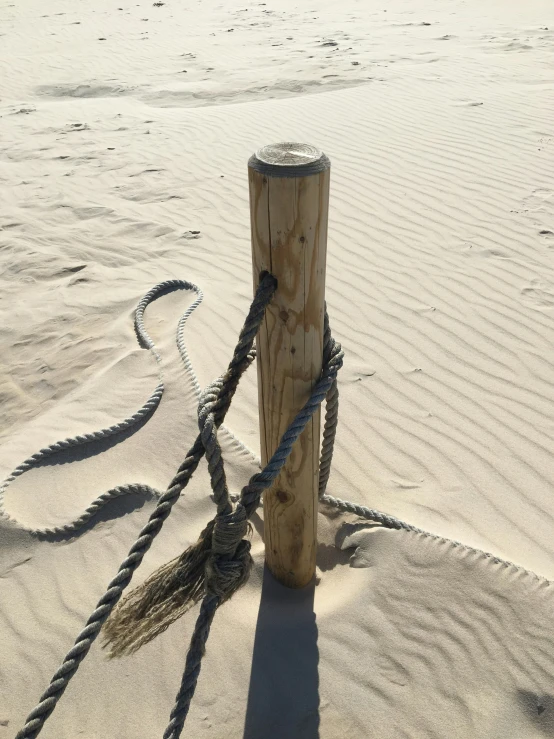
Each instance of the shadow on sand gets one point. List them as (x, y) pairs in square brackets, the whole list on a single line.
[(283, 697)]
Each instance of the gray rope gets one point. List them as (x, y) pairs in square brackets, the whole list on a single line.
[(146, 342), (192, 667), (371, 514), (242, 358), (250, 498), (230, 562), (182, 347), (250, 495), (61, 532), (389, 522), (331, 415)]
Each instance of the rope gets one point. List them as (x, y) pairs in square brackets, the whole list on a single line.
[(220, 562), (221, 583), (242, 358), (146, 342), (192, 667), (331, 415)]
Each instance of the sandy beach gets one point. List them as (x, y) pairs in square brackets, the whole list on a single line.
[(125, 132)]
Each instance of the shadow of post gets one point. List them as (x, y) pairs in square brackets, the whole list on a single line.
[(283, 697)]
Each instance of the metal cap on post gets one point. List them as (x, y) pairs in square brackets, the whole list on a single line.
[(289, 204)]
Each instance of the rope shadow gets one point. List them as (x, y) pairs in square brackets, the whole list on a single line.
[(114, 510), (94, 447), (283, 696)]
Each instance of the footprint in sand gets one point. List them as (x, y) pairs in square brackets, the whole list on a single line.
[(541, 200), (539, 294), (81, 91), (548, 237), (392, 670)]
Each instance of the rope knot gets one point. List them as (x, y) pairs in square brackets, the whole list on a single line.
[(229, 564), (219, 563), (229, 530), (224, 576)]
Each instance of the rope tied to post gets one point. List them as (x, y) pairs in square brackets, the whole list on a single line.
[(214, 568), (219, 563), (241, 562)]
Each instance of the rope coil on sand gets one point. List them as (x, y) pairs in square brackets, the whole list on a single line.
[(145, 341), (220, 562), (242, 358)]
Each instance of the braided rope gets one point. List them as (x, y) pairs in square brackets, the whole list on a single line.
[(182, 347), (192, 667), (248, 502), (327, 389), (242, 358), (389, 522), (371, 514), (228, 566), (146, 342)]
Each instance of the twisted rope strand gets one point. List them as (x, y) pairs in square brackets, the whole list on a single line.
[(251, 493), (248, 502), (228, 563), (145, 341), (220, 556), (60, 680), (192, 667), (250, 498)]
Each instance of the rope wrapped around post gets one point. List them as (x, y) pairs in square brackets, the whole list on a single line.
[(216, 579), (214, 568), (242, 358), (219, 563)]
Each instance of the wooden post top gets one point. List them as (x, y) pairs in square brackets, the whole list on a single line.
[(289, 159)]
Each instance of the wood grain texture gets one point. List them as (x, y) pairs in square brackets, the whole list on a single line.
[(289, 237)]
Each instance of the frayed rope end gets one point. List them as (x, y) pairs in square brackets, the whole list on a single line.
[(177, 586)]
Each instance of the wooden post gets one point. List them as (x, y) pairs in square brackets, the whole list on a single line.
[(289, 203)]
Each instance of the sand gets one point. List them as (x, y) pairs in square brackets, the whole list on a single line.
[(124, 136)]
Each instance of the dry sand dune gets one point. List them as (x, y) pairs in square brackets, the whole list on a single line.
[(119, 169)]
